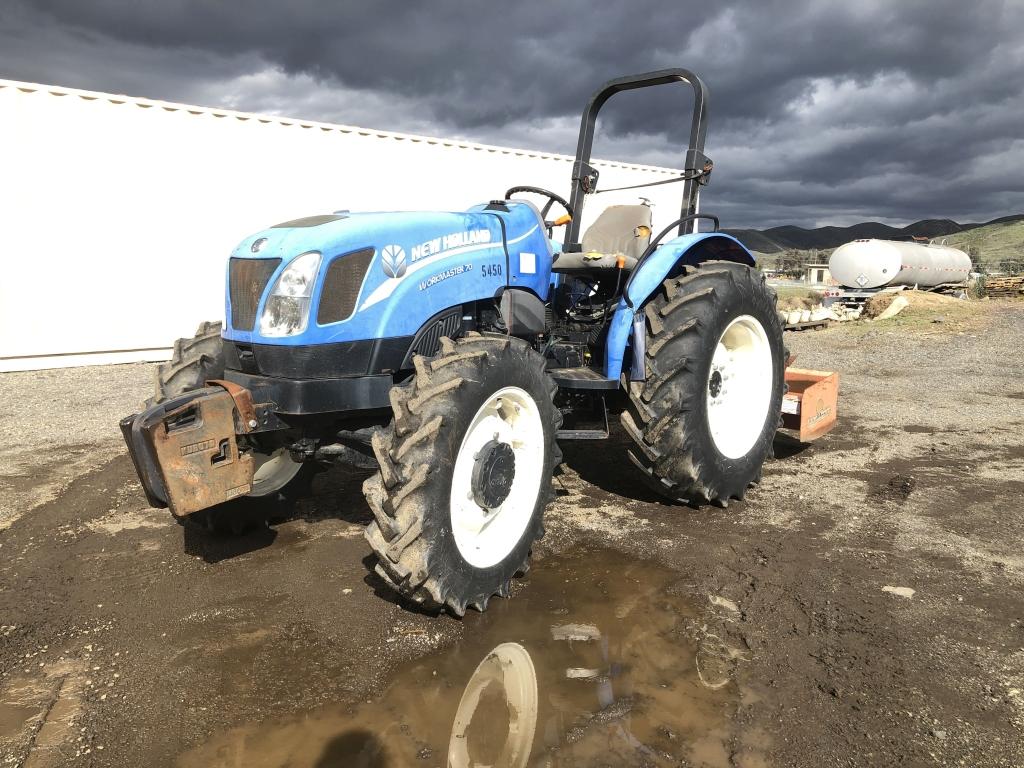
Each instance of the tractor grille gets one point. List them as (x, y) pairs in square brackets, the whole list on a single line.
[(247, 279), (341, 286)]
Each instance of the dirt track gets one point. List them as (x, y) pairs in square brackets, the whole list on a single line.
[(757, 635)]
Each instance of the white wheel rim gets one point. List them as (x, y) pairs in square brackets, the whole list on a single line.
[(739, 387), (485, 537), (510, 666), (274, 472)]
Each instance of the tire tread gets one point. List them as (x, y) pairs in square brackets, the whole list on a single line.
[(419, 411), (659, 412)]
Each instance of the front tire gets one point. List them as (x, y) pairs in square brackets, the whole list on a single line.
[(194, 362), (703, 422), (465, 473)]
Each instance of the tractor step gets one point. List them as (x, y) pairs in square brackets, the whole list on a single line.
[(575, 428), (581, 378)]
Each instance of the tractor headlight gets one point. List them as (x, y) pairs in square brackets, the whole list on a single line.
[(287, 310)]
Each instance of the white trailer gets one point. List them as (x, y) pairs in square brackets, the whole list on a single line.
[(105, 197)]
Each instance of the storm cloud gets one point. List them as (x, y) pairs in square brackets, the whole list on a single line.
[(821, 112)]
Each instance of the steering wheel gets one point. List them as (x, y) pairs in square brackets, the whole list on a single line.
[(552, 199)]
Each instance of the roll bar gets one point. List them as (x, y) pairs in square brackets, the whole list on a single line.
[(695, 162)]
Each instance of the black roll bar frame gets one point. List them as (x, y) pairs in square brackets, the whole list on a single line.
[(696, 165)]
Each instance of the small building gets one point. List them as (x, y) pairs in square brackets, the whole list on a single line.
[(818, 274)]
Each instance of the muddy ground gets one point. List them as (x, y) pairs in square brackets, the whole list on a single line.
[(781, 631)]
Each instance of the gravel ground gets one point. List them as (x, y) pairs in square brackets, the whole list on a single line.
[(56, 424), (863, 606)]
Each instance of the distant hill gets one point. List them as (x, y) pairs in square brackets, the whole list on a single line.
[(1001, 240), (785, 238)]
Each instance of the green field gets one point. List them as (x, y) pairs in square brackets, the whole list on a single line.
[(992, 243)]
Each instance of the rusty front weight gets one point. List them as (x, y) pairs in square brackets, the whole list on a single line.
[(191, 443), (243, 403)]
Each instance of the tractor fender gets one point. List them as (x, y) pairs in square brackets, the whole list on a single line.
[(671, 256)]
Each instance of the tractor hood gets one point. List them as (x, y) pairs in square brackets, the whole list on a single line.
[(378, 275)]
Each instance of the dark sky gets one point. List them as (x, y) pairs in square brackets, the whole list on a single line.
[(821, 112)]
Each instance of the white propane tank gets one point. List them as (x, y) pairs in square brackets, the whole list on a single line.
[(878, 263)]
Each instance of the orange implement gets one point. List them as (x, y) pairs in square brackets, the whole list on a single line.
[(810, 406)]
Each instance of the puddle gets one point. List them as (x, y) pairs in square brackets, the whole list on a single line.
[(14, 717), (593, 663), (41, 711)]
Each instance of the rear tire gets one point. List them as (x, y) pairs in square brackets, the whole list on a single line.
[(711, 330), (278, 483), (465, 473)]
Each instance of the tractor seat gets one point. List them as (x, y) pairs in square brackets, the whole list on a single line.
[(620, 230)]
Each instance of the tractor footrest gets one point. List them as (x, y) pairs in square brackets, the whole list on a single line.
[(582, 378), (575, 428)]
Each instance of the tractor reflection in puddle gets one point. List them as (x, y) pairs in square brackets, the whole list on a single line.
[(593, 711), (497, 715), (602, 661)]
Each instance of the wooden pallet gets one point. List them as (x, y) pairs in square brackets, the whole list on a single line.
[(1004, 287), (810, 324)]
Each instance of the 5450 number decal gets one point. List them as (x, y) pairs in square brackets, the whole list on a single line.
[(491, 270)]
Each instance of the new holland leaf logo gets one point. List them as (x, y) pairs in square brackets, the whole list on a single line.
[(392, 259)]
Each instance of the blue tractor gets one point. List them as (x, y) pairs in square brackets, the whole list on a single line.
[(446, 349)]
